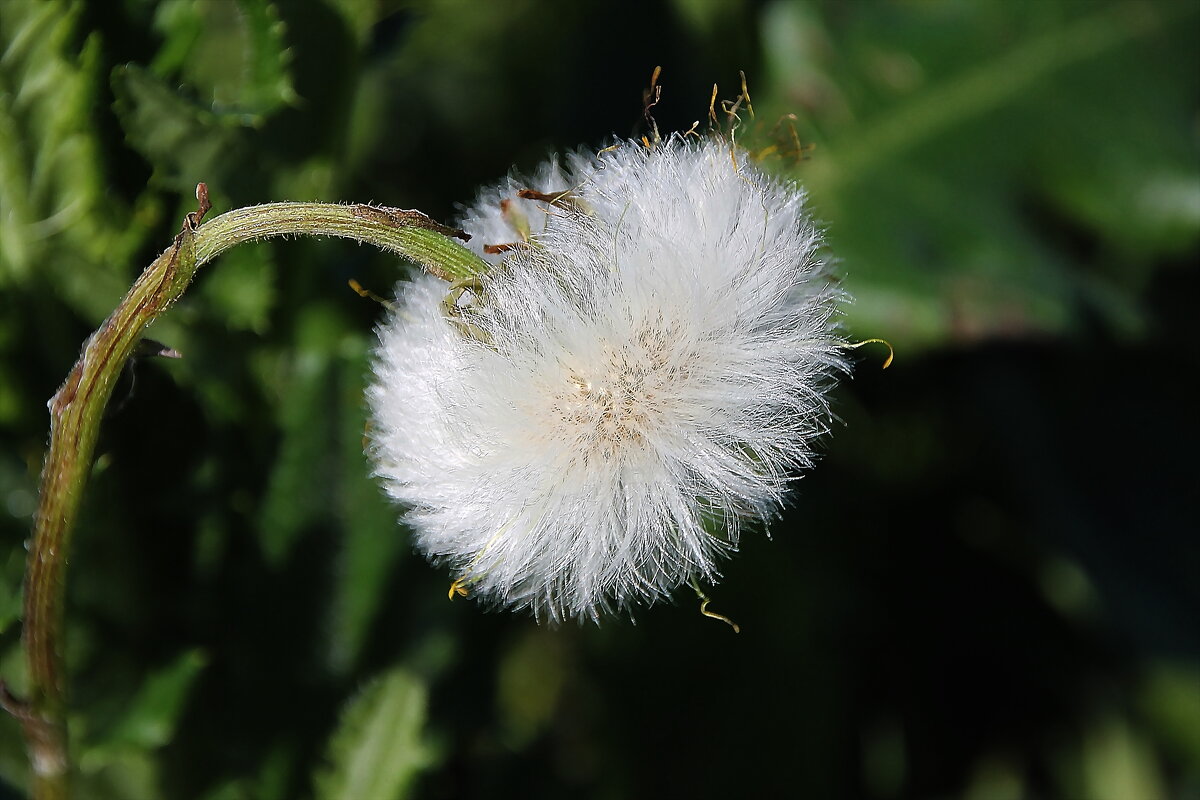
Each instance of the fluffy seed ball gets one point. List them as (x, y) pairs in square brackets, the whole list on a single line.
[(643, 371)]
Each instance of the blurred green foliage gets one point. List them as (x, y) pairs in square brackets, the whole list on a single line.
[(988, 590)]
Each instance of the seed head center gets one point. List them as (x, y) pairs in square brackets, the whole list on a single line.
[(614, 403)]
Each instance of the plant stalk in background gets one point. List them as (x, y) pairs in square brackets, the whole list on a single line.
[(78, 405)]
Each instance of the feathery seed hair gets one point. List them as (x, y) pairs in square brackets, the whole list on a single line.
[(644, 369)]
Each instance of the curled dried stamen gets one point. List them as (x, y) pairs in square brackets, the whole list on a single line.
[(704, 601), (565, 199), (496, 249), (887, 362), (362, 291)]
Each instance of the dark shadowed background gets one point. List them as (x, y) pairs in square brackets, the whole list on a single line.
[(988, 589)]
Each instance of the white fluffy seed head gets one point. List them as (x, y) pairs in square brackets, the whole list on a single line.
[(644, 369)]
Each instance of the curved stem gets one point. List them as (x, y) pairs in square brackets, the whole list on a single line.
[(982, 89), (407, 233), (77, 406)]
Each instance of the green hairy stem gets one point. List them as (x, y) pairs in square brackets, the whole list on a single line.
[(77, 406)]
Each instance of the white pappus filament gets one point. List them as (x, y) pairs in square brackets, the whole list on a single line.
[(644, 370)]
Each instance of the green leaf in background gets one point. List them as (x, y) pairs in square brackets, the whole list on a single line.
[(530, 680), (1170, 697), (50, 177), (242, 290), (150, 718), (56, 216), (123, 764), (943, 239), (360, 15), (270, 782), (233, 62), (379, 748), (373, 542), (232, 54), (1119, 762), (182, 139), (12, 570), (14, 764), (299, 495)]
